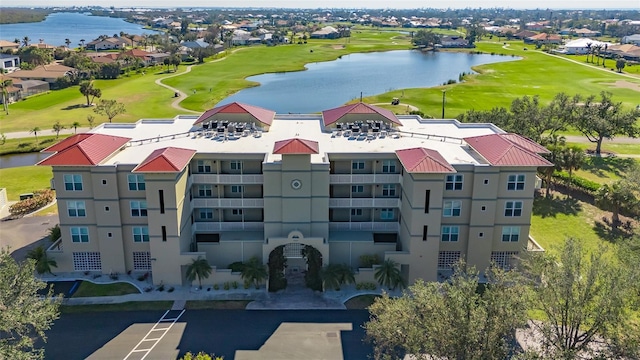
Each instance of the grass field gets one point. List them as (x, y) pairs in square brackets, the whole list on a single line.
[(29, 144), (24, 179), (89, 289)]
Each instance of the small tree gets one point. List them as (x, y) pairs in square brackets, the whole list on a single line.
[(42, 260), (75, 126), (620, 64), (24, 314), (613, 197), (34, 131), (572, 159), (90, 92), (584, 300), (109, 108), (254, 272), (91, 119), (5, 84), (55, 233), (199, 268), (57, 127), (388, 274)]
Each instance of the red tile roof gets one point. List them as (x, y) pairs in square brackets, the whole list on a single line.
[(333, 115), (169, 159), (83, 150), (261, 114), (421, 160), (501, 150), (526, 143), (296, 146)]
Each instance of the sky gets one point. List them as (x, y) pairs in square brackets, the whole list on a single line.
[(377, 4)]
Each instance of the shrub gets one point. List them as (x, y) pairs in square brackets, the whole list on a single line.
[(234, 284), (236, 266), (161, 287), (366, 285), (40, 199), (367, 261), (589, 186), (141, 278), (170, 289), (246, 284), (226, 286), (54, 233), (216, 287)]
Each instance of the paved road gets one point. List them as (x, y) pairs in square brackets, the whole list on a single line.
[(23, 234), (112, 335)]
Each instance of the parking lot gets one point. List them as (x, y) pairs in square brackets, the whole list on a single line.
[(115, 335)]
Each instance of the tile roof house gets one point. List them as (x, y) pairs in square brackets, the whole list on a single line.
[(49, 73)]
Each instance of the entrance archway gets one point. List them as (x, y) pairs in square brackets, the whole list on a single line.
[(294, 265)]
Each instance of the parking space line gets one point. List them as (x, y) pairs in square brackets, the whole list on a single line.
[(157, 340)]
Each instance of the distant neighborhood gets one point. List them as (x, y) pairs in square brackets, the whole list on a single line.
[(31, 67)]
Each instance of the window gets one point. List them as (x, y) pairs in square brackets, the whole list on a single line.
[(480, 234), (204, 166), (454, 182), (504, 259), (357, 165), (236, 211), (80, 234), (76, 208), (206, 214), (205, 190), (451, 208), (389, 166), (387, 214), (86, 261), (73, 182), (425, 230), (136, 182), (104, 181), (235, 165), (141, 234), (450, 233), (446, 259), (141, 260), (515, 182), (510, 233), (109, 235), (164, 233), (356, 212), (161, 198), (139, 208), (486, 181), (513, 208), (389, 190), (357, 188), (107, 209), (427, 200), (483, 208), (237, 189)]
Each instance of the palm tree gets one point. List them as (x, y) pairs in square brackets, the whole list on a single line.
[(388, 274), (556, 146), (572, 159), (57, 127), (25, 41), (34, 131), (5, 84), (335, 275), (588, 50), (67, 42), (254, 272), (43, 262), (199, 268), (75, 126), (613, 197)]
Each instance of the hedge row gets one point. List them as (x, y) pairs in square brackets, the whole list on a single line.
[(589, 186), (40, 199)]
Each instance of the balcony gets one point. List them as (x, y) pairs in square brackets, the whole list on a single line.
[(365, 179), (227, 179), (364, 202), (227, 226), (365, 226), (232, 203)]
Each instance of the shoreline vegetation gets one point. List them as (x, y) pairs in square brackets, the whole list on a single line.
[(23, 15)]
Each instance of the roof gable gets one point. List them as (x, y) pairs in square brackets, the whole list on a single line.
[(296, 147), (333, 115), (263, 115), (421, 160), (169, 159), (83, 150), (498, 150)]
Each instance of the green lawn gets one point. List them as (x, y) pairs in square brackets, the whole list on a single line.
[(127, 306), (29, 144), (89, 289), (25, 179), (360, 302)]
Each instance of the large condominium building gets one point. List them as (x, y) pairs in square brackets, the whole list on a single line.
[(238, 181)]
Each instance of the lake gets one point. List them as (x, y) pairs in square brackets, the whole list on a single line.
[(75, 26), (330, 84)]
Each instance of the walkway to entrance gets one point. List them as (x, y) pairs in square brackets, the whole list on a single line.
[(295, 297)]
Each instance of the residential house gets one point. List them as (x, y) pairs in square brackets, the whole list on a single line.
[(327, 32), (580, 46), (8, 45), (9, 63), (631, 39), (49, 73), (112, 43), (240, 181), (453, 42), (544, 38)]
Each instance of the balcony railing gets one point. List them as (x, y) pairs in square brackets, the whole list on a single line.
[(227, 179), (227, 226), (365, 226), (364, 202), (233, 203), (365, 179)]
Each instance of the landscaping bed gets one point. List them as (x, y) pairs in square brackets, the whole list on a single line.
[(89, 289)]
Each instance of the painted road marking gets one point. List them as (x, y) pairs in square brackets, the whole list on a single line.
[(156, 340)]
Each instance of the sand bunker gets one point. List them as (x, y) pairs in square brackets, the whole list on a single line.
[(625, 85)]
